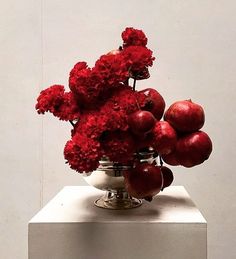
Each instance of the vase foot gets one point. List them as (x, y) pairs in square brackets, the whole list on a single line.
[(118, 200)]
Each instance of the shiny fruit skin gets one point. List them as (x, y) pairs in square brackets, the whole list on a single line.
[(165, 137), (170, 159), (155, 102), (193, 149), (185, 116), (144, 180), (141, 122), (168, 176)]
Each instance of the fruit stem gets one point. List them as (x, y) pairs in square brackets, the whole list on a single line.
[(71, 122)]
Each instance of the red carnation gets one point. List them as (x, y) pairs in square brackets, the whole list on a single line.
[(60, 104), (138, 59), (69, 108), (82, 153), (133, 37), (91, 124), (49, 99), (122, 102), (119, 146), (111, 69), (75, 74)]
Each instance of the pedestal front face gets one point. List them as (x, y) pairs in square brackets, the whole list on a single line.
[(71, 227)]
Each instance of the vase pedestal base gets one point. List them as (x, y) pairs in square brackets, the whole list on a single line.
[(118, 200)]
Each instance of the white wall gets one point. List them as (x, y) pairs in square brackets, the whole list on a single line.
[(194, 42)]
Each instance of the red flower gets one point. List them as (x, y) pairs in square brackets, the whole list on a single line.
[(117, 108), (101, 102), (111, 69), (69, 109), (119, 146), (75, 74), (81, 84), (138, 59), (91, 124), (49, 99), (91, 86), (133, 37), (83, 153), (60, 104)]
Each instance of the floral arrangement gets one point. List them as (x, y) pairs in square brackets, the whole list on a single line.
[(110, 118)]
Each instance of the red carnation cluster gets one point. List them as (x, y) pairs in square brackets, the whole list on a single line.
[(133, 37), (61, 104), (112, 119), (119, 146), (82, 153), (138, 59)]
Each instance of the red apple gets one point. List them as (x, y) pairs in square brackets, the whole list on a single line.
[(144, 181), (171, 158), (185, 116), (141, 122), (165, 137), (167, 177), (155, 102), (193, 149)]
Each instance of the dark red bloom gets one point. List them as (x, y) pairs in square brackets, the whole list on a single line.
[(92, 124), (133, 37), (111, 70), (69, 108), (83, 153), (83, 85), (119, 146), (138, 59), (100, 102), (49, 99), (75, 74), (117, 108), (60, 104)]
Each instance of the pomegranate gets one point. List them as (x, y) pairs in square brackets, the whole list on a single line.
[(185, 116), (141, 122), (193, 149), (144, 181), (170, 158), (155, 102), (168, 176), (165, 137)]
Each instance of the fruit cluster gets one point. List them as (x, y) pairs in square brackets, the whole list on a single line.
[(111, 118), (178, 141)]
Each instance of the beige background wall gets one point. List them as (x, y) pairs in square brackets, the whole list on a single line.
[(40, 41)]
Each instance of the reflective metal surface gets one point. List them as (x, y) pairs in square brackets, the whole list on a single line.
[(109, 177)]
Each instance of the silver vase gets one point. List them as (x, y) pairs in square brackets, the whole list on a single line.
[(109, 178)]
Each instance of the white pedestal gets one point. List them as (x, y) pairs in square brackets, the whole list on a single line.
[(71, 227)]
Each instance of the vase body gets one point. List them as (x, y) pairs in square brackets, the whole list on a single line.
[(109, 177)]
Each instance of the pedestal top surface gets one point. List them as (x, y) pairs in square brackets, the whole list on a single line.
[(74, 204)]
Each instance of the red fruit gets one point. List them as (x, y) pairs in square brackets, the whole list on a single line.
[(165, 137), (185, 116), (141, 122), (144, 181), (170, 158), (167, 177), (193, 149), (155, 102)]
